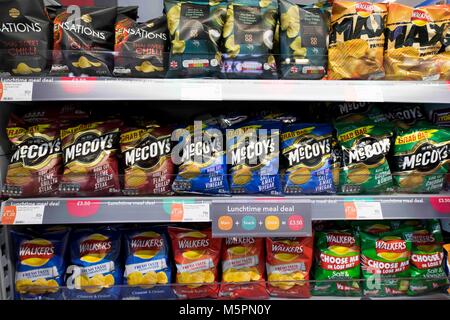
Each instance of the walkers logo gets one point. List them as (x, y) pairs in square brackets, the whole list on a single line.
[(420, 17), (364, 9), (391, 248), (146, 245), (192, 240), (36, 252), (94, 248)]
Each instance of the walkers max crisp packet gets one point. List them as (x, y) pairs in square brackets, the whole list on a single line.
[(148, 165), (40, 262), (385, 262), (243, 269), (203, 166), (417, 43), (95, 271), (89, 155), (364, 167), (195, 28), (253, 153), (288, 264), (147, 264), (307, 149), (25, 38), (303, 41), (196, 256), (36, 164), (337, 258), (357, 40), (427, 257), (141, 47), (421, 158), (248, 39), (84, 40)]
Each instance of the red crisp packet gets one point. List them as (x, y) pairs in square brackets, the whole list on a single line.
[(36, 163), (90, 162), (147, 157), (196, 256), (243, 269), (289, 261)]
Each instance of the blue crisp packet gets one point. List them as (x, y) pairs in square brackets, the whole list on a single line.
[(203, 168), (148, 270), (39, 263), (95, 272), (307, 148), (253, 153)]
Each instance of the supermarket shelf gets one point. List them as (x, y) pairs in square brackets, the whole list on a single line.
[(60, 89), (205, 209)]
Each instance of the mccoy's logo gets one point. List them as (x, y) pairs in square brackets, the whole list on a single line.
[(94, 248), (364, 9), (146, 245), (340, 239), (425, 158), (89, 146), (146, 155), (368, 150), (36, 252), (33, 151), (420, 17), (310, 151)]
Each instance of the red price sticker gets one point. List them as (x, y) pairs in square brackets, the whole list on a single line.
[(296, 223), (9, 214)]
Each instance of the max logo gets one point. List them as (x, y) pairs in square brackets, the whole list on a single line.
[(355, 27)]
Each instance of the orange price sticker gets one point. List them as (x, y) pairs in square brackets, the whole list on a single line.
[(350, 211), (177, 212), (272, 223), (9, 214)]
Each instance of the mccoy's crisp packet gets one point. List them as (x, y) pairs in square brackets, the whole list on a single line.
[(417, 45), (243, 272), (148, 269), (95, 272), (421, 158), (357, 40), (40, 264), (196, 256), (288, 264), (253, 153), (307, 149), (364, 167)]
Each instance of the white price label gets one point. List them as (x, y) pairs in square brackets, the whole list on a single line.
[(16, 91), (368, 210), (29, 214), (196, 212), (201, 91), (366, 93)]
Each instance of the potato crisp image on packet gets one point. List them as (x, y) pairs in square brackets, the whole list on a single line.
[(243, 269), (357, 40), (40, 263), (196, 256), (417, 43)]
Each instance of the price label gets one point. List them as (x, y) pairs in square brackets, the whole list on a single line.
[(366, 93), (201, 91), (23, 214), (363, 210), (196, 212), (16, 91)]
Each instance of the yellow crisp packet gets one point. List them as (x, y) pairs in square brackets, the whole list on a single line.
[(415, 46), (357, 40)]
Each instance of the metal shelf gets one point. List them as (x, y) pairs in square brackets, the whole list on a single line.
[(205, 209), (65, 89)]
